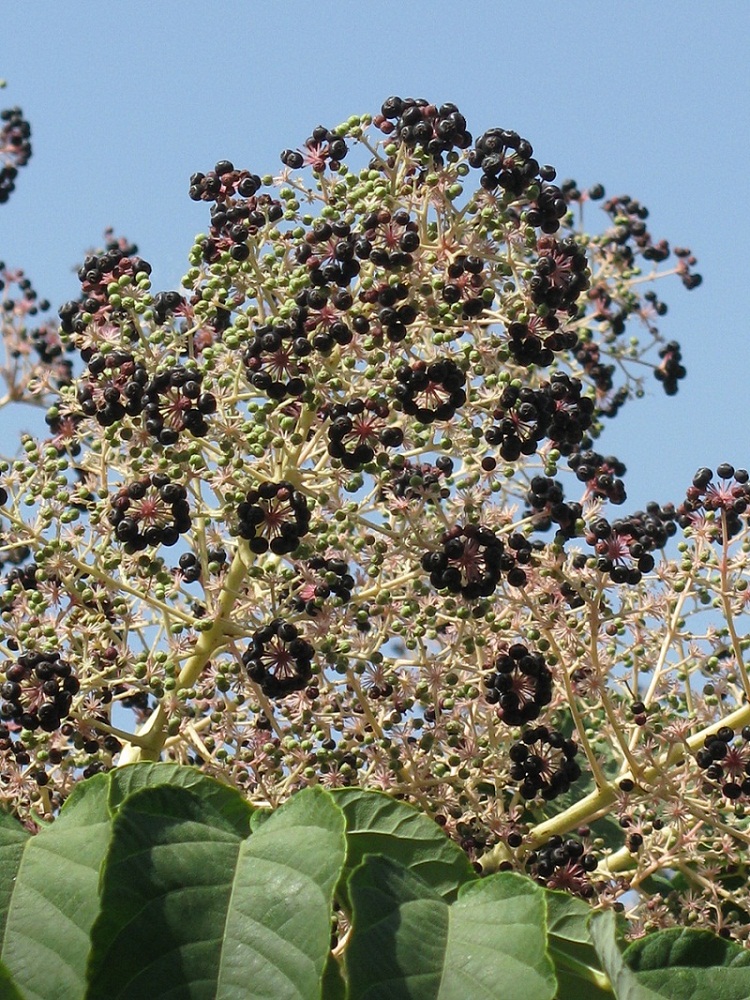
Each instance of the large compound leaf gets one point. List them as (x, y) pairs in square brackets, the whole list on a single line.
[(193, 907), (55, 898), (378, 824), (686, 964), (408, 942)]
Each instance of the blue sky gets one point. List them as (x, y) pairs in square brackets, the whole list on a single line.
[(649, 98)]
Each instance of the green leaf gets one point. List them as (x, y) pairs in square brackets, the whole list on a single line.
[(688, 964), (193, 907), (577, 965), (8, 989), (378, 824), (55, 898), (125, 781), (408, 942), (13, 839), (603, 929), (334, 984)]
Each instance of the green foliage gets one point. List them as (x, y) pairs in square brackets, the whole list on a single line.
[(157, 881)]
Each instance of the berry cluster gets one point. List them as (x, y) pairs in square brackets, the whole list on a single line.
[(431, 390), (321, 579), (112, 386), (465, 284), (507, 161), (150, 511), (223, 183), (730, 497), (470, 562), (421, 125), (356, 430), (624, 547), (323, 148), (536, 341), (15, 149), (173, 401), (526, 416), (274, 516), (563, 864), (272, 359), (388, 240), (38, 691), (671, 369), (329, 253), (320, 316), (391, 319), (544, 763), (409, 481), (727, 763), (190, 567), (278, 660), (546, 499), (601, 475), (97, 272), (520, 684), (561, 275)]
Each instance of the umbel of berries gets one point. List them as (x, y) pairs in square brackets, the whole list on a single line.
[(431, 390), (322, 579), (520, 684), (544, 763), (150, 511), (38, 691), (174, 401), (274, 516), (356, 430), (470, 562), (278, 660)]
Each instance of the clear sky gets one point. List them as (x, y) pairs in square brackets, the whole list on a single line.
[(649, 97)]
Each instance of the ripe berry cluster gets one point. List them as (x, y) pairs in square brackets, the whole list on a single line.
[(600, 474), (321, 579), (273, 360), (520, 684), (38, 691), (561, 274), (320, 316), (410, 481), (544, 763), (223, 183), (563, 864), (323, 148), (526, 416), (546, 499), (173, 401), (278, 660), (112, 386), (356, 430), (624, 547), (671, 369), (431, 390), (190, 567), (274, 516), (465, 284), (329, 253), (727, 763), (421, 125), (731, 496), (15, 149), (536, 341), (470, 562), (150, 511), (507, 161)]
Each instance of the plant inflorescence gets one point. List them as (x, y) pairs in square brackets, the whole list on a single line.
[(336, 512)]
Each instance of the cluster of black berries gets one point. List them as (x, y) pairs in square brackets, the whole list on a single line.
[(97, 271), (388, 240), (544, 763), (322, 579), (273, 360), (38, 691), (409, 481), (392, 319), (549, 206), (164, 305), (546, 499), (431, 390), (470, 562), (112, 386), (278, 660), (223, 183), (520, 684), (190, 567), (729, 764), (629, 217), (15, 148), (561, 274), (624, 547), (322, 148), (571, 191), (537, 341), (329, 252), (601, 474), (320, 316), (174, 401), (671, 369), (420, 125), (356, 430), (464, 284), (686, 260), (609, 400), (274, 516), (556, 410), (563, 864), (731, 495), (506, 160), (150, 511)]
